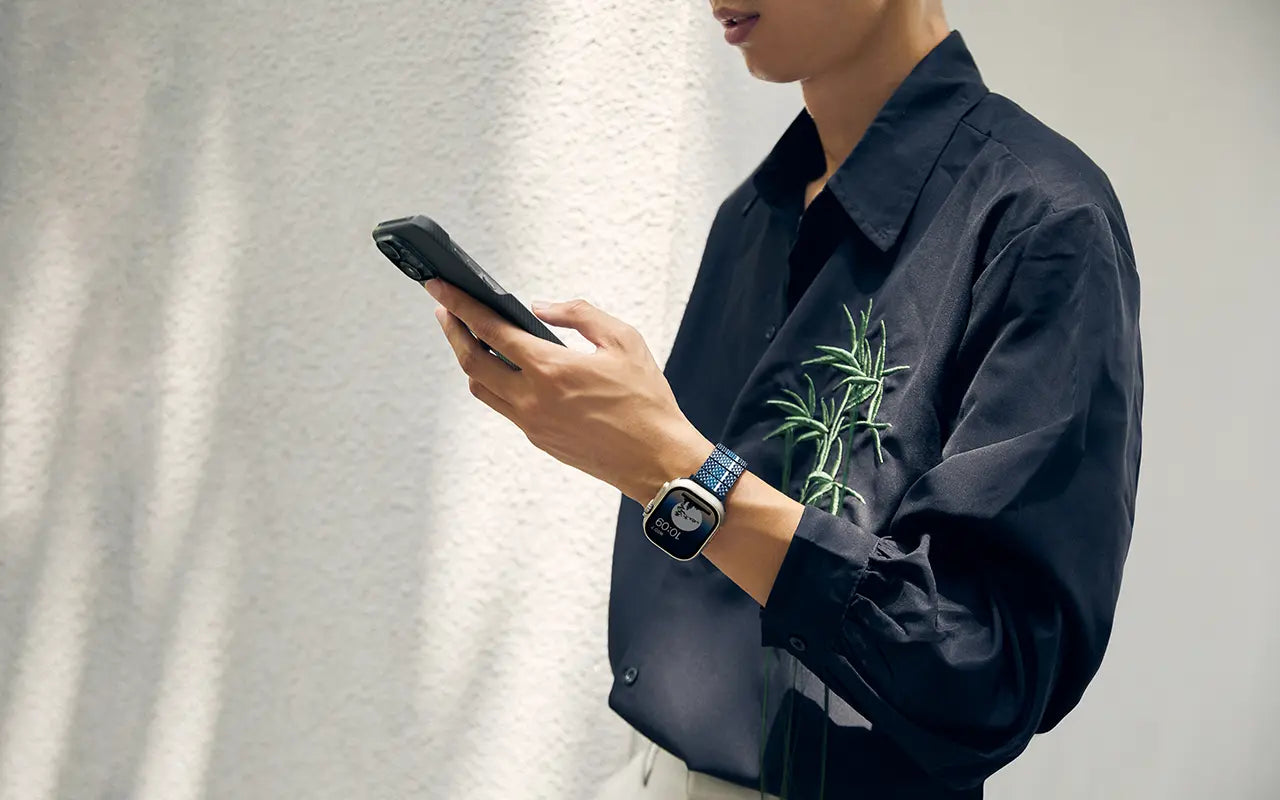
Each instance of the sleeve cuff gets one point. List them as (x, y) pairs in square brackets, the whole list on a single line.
[(823, 565)]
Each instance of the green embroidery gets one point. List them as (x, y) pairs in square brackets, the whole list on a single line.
[(815, 419), (811, 418)]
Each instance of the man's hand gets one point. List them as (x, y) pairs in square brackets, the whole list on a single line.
[(609, 413)]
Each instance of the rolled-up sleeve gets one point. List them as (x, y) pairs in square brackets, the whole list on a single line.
[(980, 612)]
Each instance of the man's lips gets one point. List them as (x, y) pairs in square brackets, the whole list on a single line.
[(731, 17)]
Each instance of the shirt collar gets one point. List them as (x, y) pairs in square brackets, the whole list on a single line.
[(879, 182)]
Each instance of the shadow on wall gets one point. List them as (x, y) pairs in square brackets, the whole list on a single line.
[(216, 591), (133, 516), (85, 651)]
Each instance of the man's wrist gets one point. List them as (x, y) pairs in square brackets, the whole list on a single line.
[(749, 547), (677, 455)]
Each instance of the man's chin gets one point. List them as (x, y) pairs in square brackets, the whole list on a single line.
[(765, 69)]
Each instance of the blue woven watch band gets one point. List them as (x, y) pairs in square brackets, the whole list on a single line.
[(720, 471)]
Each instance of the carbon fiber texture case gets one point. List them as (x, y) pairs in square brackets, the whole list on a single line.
[(421, 249)]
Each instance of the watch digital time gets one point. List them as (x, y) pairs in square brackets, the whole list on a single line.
[(685, 512)]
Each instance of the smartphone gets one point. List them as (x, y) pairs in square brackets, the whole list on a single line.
[(421, 249)]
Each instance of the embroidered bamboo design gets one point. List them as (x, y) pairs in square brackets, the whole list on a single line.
[(810, 418)]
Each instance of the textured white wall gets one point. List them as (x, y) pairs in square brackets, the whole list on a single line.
[(248, 545)]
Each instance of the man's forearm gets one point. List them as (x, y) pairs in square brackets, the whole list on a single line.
[(758, 526), (759, 520)]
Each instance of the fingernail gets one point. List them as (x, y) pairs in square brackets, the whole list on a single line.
[(540, 305), (433, 287)]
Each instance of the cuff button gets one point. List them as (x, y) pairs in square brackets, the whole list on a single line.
[(797, 644), (629, 675)]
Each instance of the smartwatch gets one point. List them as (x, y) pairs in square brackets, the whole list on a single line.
[(684, 514)]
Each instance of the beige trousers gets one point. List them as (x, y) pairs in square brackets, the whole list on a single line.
[(654, 774)]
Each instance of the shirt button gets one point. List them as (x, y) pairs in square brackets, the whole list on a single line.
[(770, 332), (796, 643), (629, 675)]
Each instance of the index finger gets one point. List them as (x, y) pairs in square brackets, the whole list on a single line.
[(489, 326)]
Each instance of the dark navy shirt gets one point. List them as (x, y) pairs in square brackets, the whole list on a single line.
[(965, 601)]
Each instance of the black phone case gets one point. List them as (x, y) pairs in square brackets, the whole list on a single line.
[(421, 249)]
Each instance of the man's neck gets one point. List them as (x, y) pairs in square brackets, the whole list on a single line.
[(844, 101)]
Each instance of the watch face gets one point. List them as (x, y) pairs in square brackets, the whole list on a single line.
[(681, 523)]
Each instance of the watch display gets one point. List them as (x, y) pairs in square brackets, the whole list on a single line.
[(681, 523)]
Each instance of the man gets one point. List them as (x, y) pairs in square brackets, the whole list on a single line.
[(918, 319)]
